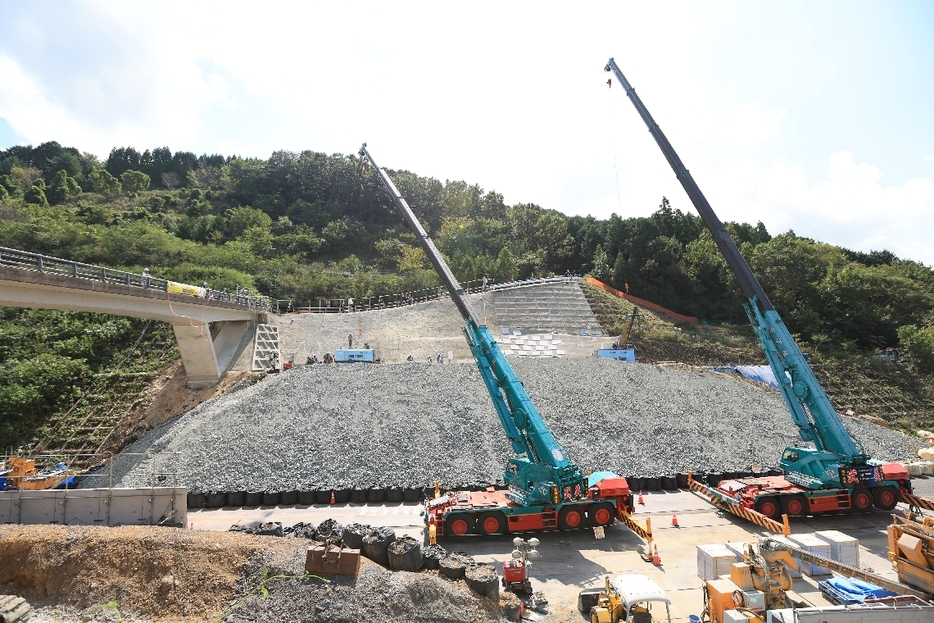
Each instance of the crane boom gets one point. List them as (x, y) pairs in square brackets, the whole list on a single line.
[(544, 472), (810, 408)]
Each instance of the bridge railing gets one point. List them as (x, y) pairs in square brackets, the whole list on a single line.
[(57, 266)]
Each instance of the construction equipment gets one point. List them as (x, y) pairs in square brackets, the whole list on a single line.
[(630, 597), (836, 474), (546, 490), (761, 582), (21, 474), (516, 571), (911, 550)]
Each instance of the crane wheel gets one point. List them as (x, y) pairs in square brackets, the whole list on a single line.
[(885, 498), (860, 500), (571, 518), (492, 523), (795, 505), (769, 507), (601, 514), (459, 524)]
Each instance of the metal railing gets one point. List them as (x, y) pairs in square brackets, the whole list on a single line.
[(56, 266), (402, 299)]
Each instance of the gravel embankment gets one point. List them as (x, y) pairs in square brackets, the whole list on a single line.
[(339, 426)]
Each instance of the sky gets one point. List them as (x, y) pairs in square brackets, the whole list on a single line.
[(814, 117)]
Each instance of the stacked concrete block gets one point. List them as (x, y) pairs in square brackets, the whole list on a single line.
[(843, 547)]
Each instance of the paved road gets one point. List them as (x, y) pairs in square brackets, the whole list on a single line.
[(574, 560)]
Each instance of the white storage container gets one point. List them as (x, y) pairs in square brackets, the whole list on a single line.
[(843, 547), (814, 545)]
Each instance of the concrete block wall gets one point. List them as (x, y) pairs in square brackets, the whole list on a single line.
[(95, 507)]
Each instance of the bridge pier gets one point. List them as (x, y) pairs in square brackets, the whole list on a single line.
[(207, 357)]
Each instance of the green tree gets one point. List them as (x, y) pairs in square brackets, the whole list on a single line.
[(101, 181), (62, 187), (918, 345), (36, 194), (134, 181)]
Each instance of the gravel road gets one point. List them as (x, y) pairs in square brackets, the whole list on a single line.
[(339, 426)]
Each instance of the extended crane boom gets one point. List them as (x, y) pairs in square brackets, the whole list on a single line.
[(836, 462), (546, 489)]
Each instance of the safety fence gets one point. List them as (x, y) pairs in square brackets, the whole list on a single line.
[(56, 266), (641, 302)]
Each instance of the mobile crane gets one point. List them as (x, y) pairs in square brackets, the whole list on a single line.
[(836, 474), (546, 490)]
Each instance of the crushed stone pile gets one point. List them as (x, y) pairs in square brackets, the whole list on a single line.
[(404, 425)]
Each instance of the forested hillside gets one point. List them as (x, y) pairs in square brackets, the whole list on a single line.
[(310, 226)]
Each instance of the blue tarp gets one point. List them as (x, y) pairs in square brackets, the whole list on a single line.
[(763, 374), (846, 591)]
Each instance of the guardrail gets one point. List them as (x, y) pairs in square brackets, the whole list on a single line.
[(401, 299), (24, 260)]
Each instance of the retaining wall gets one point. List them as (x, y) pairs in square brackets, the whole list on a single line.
[(95, 507)]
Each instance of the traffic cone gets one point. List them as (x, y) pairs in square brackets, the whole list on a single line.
[(641, 501), (674, 520), (655, 559), (333, 501)]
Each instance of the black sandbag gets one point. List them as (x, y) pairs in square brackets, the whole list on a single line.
[(432, 555), (195, 500), (269, 528), (271, 498), (454, 564), (301, 530), (288, 498), (376, 545), (354, 533), (482, 579), (331, 531), (253, 498), (236, 498), (405, 554)]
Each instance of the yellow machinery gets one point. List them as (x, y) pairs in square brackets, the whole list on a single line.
[(632, 598), (911, 550), (757, 584), (21, 474)]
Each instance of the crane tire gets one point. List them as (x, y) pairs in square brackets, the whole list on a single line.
[(885, 498), (795, 504), (601, 515), (492, 523), (770, 507), (459, 524), (571, 518), (860, 500)]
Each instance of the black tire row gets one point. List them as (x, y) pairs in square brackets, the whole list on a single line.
[(218, 499), (392, 495)]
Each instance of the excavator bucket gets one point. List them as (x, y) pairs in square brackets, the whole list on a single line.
[(331, 559)]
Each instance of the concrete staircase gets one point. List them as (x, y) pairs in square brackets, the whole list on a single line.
[(557, 307)]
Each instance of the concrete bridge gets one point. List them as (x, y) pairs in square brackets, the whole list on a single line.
[(212, 328)]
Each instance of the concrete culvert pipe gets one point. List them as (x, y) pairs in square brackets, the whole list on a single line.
[(405, 554)]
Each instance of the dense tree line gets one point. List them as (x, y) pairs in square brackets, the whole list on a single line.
[(309, 226)]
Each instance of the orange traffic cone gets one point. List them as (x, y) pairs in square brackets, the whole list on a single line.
[(655, 559), (674, 520), (641, 501), (333, 501)]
